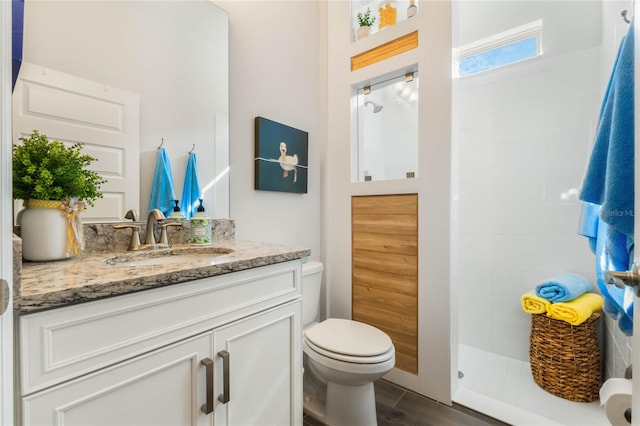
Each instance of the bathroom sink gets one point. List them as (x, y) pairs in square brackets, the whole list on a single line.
[(168, 256)]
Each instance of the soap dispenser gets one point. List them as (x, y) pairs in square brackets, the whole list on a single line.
[(200, 227), (176, 215)]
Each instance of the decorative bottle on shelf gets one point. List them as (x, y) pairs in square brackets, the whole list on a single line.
[(412, 10), (176, 215), (200, 228), (388, 16)]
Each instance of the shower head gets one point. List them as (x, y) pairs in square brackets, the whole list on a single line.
[(376, 108)]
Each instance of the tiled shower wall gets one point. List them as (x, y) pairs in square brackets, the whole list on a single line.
[(617, 348), (523, 137)]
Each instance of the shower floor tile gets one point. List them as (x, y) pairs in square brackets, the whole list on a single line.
[(503, 388)]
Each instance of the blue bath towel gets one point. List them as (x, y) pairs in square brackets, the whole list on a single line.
[(609, 181), (191, 191), (609, 184), (563, 288), (162, 188)]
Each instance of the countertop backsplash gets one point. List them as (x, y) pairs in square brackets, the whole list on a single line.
[(17, 263), (102, 237)]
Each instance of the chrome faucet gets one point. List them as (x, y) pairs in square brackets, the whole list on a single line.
[(155, 215)]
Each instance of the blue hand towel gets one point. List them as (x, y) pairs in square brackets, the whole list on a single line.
[(609, 180), (563, 288), (162, 188), (191, 192)]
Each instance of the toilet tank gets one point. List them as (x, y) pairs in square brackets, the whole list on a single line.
[(311, 283)]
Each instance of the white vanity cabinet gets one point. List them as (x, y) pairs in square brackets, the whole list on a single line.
[(230, 343)]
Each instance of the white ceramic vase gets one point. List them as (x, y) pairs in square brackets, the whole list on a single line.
[(362, 32), (44, 233)]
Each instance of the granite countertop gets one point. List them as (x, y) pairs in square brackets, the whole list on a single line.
[(47, 285)]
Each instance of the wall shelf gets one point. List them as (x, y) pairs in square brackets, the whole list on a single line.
[(389, 13)]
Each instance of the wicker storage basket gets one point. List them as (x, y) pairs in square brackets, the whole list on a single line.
[(565, 358)]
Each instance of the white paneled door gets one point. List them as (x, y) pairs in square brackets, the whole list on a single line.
[(106, 119), (6, 264)]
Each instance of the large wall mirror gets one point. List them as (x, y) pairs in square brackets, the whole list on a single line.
[(172, 54)]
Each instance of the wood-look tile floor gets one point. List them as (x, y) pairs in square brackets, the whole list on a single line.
[(397, 406)]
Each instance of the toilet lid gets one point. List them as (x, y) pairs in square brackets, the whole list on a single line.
[(349, 338)]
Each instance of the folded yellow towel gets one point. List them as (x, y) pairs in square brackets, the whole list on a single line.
[(534, 304), (576, 311)]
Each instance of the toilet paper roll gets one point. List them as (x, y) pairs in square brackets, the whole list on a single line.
[(615, 395)]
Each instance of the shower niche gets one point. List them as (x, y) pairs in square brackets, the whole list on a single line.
[(385, 132)]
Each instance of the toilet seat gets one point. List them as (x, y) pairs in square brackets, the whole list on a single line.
[(349, 341), (350, 359)]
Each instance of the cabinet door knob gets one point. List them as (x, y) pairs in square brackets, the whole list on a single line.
[(225, 396), (207, 407)]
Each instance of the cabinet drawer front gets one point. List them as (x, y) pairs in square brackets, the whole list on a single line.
[(163, 387), (63, 343)]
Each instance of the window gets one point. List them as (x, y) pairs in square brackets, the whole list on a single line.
[(508, 47), (385, 128)]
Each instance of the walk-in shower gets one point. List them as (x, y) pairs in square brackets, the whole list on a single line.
[(522, 136)]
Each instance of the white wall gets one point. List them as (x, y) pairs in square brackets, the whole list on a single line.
[(569, 25), (432, 59), (523, 139), (274, 73)]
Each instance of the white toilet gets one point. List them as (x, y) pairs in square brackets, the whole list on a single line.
[(342, 359)]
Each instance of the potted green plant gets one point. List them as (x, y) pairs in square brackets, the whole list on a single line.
[(54, 183), (365, 22)]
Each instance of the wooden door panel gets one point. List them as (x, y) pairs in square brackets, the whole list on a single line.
[(384, 274)]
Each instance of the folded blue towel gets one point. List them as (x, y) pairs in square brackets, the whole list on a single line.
[(609, 180), (191, 191), (563, 288), (162, 188)]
